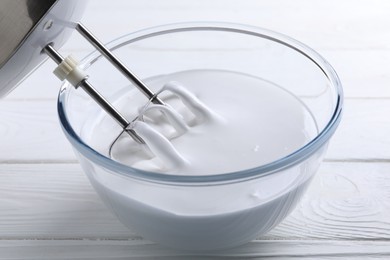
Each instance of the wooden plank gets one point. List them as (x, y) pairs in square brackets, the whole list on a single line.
[(49, 210), (346, 201), (368, 79), (30, 131), (363, 132), (46, 201), (120, 250), (355, 64), (366, 21), (363, 73), (346, 41)]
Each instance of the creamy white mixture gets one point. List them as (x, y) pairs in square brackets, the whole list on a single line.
[(220, 122), (239, 122)]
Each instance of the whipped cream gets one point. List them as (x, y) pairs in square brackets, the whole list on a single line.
[(214, 122)]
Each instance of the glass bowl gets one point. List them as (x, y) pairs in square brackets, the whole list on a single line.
[(212, 211)]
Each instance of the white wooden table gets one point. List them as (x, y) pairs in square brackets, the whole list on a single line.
[(48, 209)]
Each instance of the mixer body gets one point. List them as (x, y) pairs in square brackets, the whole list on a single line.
[(26, 27)]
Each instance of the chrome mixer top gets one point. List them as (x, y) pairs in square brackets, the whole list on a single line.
[(29, 29)]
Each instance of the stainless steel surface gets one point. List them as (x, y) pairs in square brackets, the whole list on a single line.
[(17, 19), (118, 64), (30, 27), (26, 26), (93, 93), (53, 54)]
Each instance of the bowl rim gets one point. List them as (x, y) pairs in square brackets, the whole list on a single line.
[(290, 160)]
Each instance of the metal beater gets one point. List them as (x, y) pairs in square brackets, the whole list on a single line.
[(31, 28)]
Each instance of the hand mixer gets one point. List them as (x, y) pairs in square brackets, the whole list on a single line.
[(32, 30)]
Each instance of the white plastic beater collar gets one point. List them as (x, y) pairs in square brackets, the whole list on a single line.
[(69, 70)]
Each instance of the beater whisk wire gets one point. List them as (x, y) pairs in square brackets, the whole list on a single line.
[(92, 92), (71, 72)]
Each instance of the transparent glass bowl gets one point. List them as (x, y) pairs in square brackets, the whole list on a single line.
[(231, 220)]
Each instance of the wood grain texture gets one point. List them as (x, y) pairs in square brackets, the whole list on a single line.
[(121, 250), (322, 24), (363, 132), (53, 201), (48, 210), (357, 45), (346, 201), (30, 131), (363, 74)]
